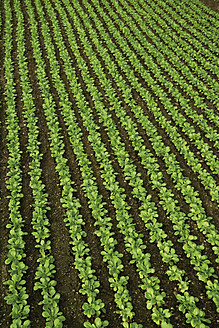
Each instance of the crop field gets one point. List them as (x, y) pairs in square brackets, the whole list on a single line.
[(109, 166)]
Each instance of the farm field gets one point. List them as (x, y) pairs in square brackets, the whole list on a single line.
[(212, 4), (109, 166)]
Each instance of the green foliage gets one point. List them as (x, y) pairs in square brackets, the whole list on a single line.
[(152, 63)]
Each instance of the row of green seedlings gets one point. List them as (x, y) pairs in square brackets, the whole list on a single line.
[(205, 272), (156, 141), (206, 52), (112, 257), (133, 240), (180, 144), (204, 10), (186, 128), (205, 56), (160, 148), (94, 306), (183, 45), (117, 281), (168, 50), (90, 123), (179, 119), (207, 20), (182, 183), (17, 295), (46, 269), (189, 23), (183, 50), (201, 20), (95, 64), (203, 147), (115, 263)]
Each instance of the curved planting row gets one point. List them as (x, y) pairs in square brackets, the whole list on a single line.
[(112, 257), (191, 12), (207, 13), (78, 56), (182, 183), (17, 296), (130, 235), (46, 269), (127, 95), (178, 29), (207, 179), (137, 138), (180, 143), (184, 22), (184, 46), (152, 83), (90, 285), (131, 175), (169, 48)]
